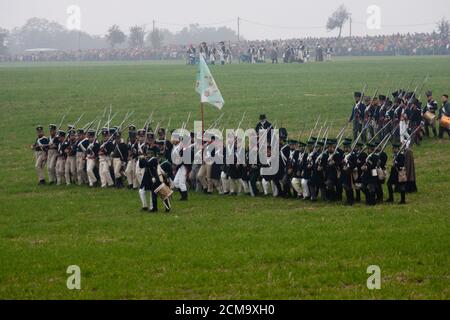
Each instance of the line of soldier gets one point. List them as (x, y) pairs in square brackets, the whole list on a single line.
[(405, 113), (320, 167)]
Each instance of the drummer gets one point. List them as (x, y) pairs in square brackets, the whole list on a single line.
[(444, 115), (429, 114)]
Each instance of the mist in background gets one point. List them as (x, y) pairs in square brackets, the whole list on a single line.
[(259, 19)]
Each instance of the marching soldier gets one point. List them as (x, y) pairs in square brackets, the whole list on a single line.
[(142, 150), (119, 158), (431, 107), (104, 158), (80, 146), (444, 111), (306, 170), (294, 170), (40, 151), (92, 157), (182, 169), (369, 175), (133, 154), (52, 152), (69, 148), (397, 177), (348, 170), (357, 114), (381, 173), (361, 157), (151, 180), (60, 159), (316, 174)]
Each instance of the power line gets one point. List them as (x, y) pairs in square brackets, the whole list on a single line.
[(282, 27), (400, 25), (199, 24)]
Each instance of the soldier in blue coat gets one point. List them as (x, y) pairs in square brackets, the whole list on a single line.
[(397, 175)]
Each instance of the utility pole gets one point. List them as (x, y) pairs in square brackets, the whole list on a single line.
[(238, 20), (350, 26), (153, 25), (238, 29)]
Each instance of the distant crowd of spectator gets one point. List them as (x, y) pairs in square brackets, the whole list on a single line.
[(254, 51)]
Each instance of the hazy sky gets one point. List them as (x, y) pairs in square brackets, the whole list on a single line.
[(292, 18)]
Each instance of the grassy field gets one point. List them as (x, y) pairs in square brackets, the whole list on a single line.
[(214, 247)]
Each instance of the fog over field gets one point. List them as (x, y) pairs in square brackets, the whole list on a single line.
[(260, 19)]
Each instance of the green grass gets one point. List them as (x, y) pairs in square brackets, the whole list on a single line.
[(214, 247)]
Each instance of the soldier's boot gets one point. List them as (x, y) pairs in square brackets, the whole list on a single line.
[(349, 196), (435, 132), (184, 196), (358, 196), (154, 202), (402, 199), (391, 194)]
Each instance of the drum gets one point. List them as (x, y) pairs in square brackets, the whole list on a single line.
[(445, 122), (429, 116), (163, 191)]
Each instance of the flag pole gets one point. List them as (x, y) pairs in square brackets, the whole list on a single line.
[(203, 125)]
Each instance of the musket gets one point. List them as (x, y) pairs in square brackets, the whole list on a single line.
[(318, 136), (187, 121), (119, 127), (215, 122), (242, 119), (64, 117), (109, 120), (301, 131), (378, 132), (315, 126), (74, 126), (360, 135)]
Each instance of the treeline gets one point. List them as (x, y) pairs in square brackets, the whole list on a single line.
[(42, 33)]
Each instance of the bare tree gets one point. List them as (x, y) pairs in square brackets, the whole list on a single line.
[(136, 37), (444, 28), (338, 19), (115, 36)]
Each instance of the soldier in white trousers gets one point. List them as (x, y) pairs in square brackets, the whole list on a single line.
[(92, 157), (81, 145), (104, 158), (52, 152), (60, 159), (70, 168), (40, 152)]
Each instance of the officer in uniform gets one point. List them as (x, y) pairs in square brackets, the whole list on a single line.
[(52, 152), (40, 151)]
